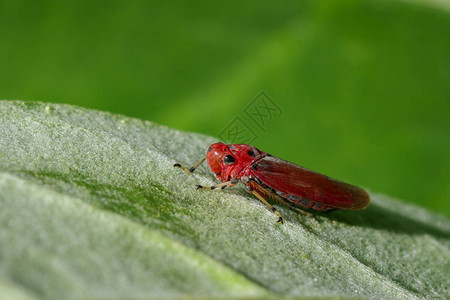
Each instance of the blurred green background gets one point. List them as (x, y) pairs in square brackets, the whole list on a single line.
[(364, 85)]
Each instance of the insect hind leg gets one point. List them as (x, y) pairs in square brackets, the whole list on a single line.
[(270, 206), (330, 210)]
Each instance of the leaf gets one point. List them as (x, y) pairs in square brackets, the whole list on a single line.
[(91, 207)]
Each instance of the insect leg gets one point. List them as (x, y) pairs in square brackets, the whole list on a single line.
[(270, 206), (294, 207), (305, 213), (191, 169), (222, 185)]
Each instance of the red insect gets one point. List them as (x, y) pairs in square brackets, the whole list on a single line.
[(265, 175)]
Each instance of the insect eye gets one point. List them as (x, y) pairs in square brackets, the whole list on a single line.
[(209, 149), (229, 160)]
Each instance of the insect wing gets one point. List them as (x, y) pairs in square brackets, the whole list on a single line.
[(295, 183)]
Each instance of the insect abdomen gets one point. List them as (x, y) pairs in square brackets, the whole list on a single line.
[(305, 203), (295, 200)]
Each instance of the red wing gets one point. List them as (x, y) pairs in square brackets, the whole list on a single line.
[(290, 179)]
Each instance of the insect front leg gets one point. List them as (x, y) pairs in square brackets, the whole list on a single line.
[(191, 169), (222, 185), (270, 206)]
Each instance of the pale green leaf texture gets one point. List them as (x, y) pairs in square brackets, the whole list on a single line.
[(91, 207)]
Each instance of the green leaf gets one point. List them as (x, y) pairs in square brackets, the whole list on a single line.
[(91, 207)]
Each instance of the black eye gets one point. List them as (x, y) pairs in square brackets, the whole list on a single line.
[(251, 153), (209, 149), (229, 160)]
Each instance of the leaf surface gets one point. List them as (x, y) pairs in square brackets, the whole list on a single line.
[(91, 207)]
